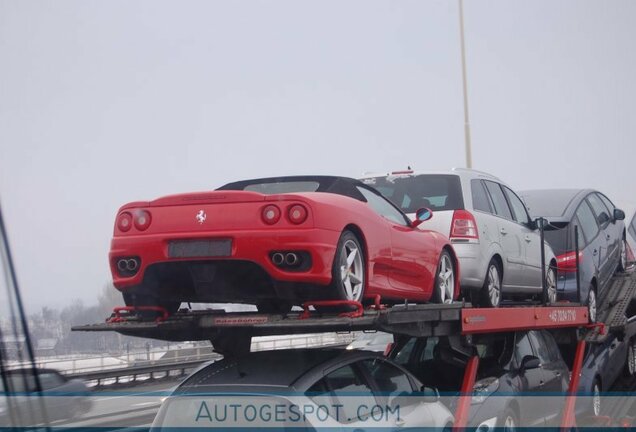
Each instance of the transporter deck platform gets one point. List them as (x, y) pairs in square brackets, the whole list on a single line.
[(411, 319)]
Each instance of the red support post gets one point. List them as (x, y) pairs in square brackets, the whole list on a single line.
[(568, 421), (466, 394)]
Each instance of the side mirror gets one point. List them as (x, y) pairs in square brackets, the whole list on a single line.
[(619, 214), (429, 394), (421, 215), (536, 223), (529, 362)]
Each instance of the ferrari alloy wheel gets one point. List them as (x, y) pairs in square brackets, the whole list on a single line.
[(491, 291), (444, 284), (349, 268), (591, 304), (550, 282)]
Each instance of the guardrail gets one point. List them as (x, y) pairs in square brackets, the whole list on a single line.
[(84, 363), (149, 370), (136, 372)]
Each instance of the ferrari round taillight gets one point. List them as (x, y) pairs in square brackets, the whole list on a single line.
[(142, 220), (124, 221), (271, 214), (297, 214)]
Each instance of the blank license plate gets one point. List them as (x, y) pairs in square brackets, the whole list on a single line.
[(200, 248)]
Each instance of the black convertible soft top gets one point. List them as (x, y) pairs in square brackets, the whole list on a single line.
[(290, 184)]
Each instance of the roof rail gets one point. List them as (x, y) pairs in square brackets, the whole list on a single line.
[(481, 173)]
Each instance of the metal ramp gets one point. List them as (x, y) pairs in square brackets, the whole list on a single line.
[(613, 303)]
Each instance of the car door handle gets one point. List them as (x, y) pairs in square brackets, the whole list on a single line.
[(503, 231), (607, 237), (527, 238), (595, 252), (400, 422), (541, 383), (557, 374)]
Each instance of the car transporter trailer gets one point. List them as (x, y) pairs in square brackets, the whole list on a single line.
[(231, 332)]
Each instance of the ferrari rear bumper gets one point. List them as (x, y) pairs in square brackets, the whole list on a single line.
[(254, 246)]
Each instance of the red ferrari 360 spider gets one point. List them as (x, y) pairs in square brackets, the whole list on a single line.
[(277, 242)]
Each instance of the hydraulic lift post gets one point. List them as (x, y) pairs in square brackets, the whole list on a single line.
[(568, 421), (466, 394)]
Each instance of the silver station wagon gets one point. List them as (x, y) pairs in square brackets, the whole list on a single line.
[(497, 243)]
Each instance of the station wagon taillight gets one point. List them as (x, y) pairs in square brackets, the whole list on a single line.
[(566, 263), (463, 225)]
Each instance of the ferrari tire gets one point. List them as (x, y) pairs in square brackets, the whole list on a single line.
[(491, 291), (444, 282), (349, 269)]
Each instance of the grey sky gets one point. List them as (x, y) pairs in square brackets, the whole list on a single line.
[(112, 101)]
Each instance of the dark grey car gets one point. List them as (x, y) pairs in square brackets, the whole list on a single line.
[(351, 381), (602, 241), (515, 371), (603, 365)]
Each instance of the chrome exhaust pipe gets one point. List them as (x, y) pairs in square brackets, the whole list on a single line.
[(132, 264), (122, 265), (278, 259), (291, 259)]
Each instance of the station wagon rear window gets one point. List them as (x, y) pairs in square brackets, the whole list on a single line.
[(434, 191)]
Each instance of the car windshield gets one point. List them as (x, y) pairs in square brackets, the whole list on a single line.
[(494, 354), (434, 191)]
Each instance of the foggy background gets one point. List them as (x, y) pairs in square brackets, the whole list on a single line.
[(107, 102)]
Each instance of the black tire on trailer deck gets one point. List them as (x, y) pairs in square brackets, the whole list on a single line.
[(338, 289), (492, 283)]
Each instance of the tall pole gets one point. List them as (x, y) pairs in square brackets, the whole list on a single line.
[(469, 156)]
